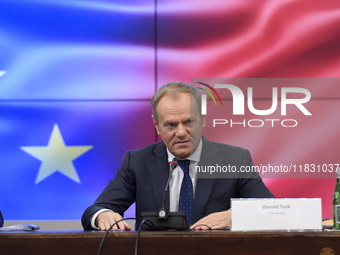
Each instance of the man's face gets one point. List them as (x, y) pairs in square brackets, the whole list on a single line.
[(180, 128)]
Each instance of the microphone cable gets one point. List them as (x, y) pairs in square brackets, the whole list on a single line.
[(145, 221)]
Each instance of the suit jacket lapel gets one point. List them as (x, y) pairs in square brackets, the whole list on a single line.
[(204, 186), (159, 172)]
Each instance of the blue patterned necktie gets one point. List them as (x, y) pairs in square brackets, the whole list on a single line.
[(186, 197)]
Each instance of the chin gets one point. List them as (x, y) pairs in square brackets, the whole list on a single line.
[(182, 154)]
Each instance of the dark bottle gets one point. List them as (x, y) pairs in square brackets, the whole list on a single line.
[(336, 202)]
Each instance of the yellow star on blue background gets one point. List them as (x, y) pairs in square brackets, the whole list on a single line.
[(56, 156)]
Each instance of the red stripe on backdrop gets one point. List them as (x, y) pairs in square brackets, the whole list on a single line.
[(262, 39)]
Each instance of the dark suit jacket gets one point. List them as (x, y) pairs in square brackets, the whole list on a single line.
[(144, 172), (1, 220)]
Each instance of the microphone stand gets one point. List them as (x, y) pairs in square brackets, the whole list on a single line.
[(163, 219)]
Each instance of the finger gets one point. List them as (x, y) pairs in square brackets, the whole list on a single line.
[(107, 224), (104, 219), (204, 228), (220, 226), (121, 225), (103, 225), (124, 226), (196, 226), (201, 227), (203, 224), (203, 221), (127, 226), (197, 223), (193, 226), (114, 225), (111, 220)]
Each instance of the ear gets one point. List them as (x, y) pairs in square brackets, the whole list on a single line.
[(155, 123)]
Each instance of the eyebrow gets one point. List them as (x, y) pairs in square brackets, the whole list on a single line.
[(175, 122), (168, 122)]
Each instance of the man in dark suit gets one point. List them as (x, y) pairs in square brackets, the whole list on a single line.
[(1, 220), (144, 172)]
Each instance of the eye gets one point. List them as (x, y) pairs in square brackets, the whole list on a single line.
[(170, 126), (191, 121)]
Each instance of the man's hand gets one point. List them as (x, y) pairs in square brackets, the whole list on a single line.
[(106, 219), (217, 220)]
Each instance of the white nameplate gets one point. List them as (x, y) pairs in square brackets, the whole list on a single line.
[(276, 214)]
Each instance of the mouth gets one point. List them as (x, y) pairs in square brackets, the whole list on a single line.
[(183, 142)]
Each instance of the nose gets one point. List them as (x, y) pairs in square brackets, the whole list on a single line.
[(181, 131)]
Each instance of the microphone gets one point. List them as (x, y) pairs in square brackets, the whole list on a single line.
[(163, 213), (163, 219)]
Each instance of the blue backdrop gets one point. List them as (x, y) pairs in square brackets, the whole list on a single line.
[(80, 66)]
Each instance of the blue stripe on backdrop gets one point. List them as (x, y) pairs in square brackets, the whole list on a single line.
[(76, 50), (109, 127)]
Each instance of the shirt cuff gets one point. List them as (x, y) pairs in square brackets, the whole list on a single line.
[(94, 217)]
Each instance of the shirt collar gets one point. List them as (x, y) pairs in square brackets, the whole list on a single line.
[(194, 157)]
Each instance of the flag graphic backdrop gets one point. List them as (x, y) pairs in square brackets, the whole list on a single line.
[(91, 68)]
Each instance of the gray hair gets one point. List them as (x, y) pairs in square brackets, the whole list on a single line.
[(174, 88)]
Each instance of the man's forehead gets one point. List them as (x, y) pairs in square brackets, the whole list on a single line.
[(175, 95), (178, 103), (175, 115)]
